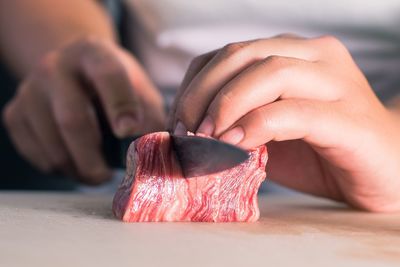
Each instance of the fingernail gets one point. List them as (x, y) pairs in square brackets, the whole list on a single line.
[(233, 136), (206, 127), (126, 125), (180, 129)]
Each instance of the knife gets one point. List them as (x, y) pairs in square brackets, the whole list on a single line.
[(196, 155), (200, 156)]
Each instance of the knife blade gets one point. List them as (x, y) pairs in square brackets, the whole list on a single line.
[(196, 155), (200, 156)]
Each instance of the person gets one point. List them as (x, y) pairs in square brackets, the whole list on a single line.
[(55, 51), (326, 131)]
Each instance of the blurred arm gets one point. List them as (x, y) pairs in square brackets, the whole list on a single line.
[(30, 29)]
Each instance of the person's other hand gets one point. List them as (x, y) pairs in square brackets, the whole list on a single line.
[(328, 133), (52, 119)]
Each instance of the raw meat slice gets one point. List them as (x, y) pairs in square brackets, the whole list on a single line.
[(154, 189)]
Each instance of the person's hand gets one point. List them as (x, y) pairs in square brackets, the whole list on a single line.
[(327, 132), (52, 119)]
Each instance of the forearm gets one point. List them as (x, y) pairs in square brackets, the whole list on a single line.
[(30, 29)]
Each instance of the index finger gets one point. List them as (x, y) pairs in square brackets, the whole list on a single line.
[(194, 68)]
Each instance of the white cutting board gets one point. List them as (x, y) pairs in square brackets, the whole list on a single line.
[(58, 229)]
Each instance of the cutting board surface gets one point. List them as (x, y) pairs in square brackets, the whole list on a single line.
[(60, 229)]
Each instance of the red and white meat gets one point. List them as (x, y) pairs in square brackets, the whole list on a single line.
[(154, 189)]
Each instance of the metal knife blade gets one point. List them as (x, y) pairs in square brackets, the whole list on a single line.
[(201, 156), (196, 155)]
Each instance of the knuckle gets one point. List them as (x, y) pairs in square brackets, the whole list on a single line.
[(97, 51), (110, 70), (330, 42), (88, 42), (265, 121), (40, 78), (278, 65), (93, 50), (220, 105), (234, 49), (45, 67), (225, 96), (328, 39), (274, 61), (196, 61), (83, 47), (71, 122), (201, 60)]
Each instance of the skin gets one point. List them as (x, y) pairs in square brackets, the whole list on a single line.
[(72, 62), (327, 133)]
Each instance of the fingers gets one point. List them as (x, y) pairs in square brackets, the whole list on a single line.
[(225, 65), (195, 67), (58, 109), (151, 103), (264, 82), (318, 123), (42, 122), (24, 138), (53, 125), (194, 100), (126, 93), (75, 117), (101, 64)]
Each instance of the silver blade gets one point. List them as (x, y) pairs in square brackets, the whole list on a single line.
[(200, 156)]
